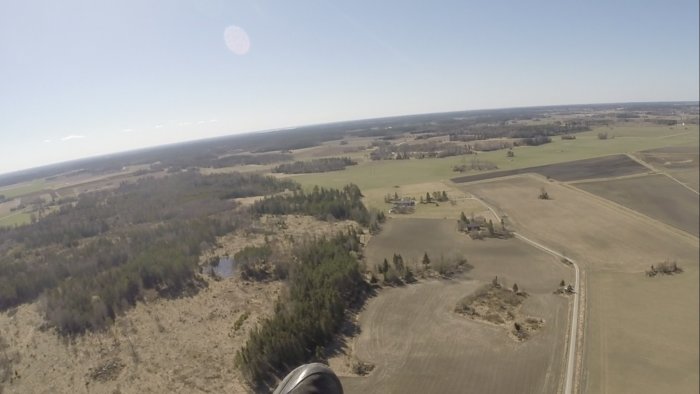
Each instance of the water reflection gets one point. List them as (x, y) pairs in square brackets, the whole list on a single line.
[(224, 269)]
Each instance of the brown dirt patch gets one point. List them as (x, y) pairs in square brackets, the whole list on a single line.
[(500, 306), (418, 344)]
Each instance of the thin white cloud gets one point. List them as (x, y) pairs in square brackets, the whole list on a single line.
[(184, 123), (201, 121), (47, 141), (72, 137), (127, 130), (212, 120), (158, 126)]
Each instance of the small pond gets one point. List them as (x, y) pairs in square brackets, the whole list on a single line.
[(224, 269)]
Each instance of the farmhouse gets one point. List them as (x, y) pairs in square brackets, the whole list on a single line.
[(405, 205), (404, 202), (473, 226)]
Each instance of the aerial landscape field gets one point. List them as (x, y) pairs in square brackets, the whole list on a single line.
[(360, 197), (430, 356), (449, 269)]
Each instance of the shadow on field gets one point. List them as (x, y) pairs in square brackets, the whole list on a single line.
[(350, 328)]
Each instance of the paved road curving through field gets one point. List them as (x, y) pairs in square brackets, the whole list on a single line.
[(573, 335)]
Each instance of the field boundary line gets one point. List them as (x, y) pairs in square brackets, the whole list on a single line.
[(604, 201), (649, 166), (673, 135), (631, 212), (612, 178), (530, 168)]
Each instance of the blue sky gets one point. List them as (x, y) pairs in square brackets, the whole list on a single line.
[(81, 78)]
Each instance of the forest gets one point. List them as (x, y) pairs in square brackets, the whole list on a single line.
[(94, 257), (315, 165), (322, 203), (322, 287)]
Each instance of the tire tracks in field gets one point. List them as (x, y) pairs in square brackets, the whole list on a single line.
[(652, 168)]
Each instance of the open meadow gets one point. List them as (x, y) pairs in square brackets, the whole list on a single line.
[(384, 174)]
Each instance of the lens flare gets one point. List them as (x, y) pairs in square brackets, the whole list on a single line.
[(237, 40)]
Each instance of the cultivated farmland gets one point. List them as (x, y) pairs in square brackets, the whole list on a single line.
[(681, 162), (654, 195), (629, 316), (419, 344), (599, 167)]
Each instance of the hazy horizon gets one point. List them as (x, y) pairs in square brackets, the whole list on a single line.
[(84, 80), (330, 123)]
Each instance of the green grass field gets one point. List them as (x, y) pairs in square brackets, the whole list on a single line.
[(387, 173), (23, 188), (15, 218)]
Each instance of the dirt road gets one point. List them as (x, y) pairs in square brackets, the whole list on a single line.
[(573, 335)]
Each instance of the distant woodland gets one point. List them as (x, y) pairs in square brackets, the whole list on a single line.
[(316, 165), (464, 126)]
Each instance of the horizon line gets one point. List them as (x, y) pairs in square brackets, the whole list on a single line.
[(283, 128)]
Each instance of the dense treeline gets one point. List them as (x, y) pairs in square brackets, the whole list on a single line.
[(100, 252), (486, 137), (340, 204), (240, 159), (183, 196), (168, 266), (316, 165), (321, 288), (534, 141), (481, 132)]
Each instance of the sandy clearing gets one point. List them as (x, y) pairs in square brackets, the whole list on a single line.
[(183, 345)]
